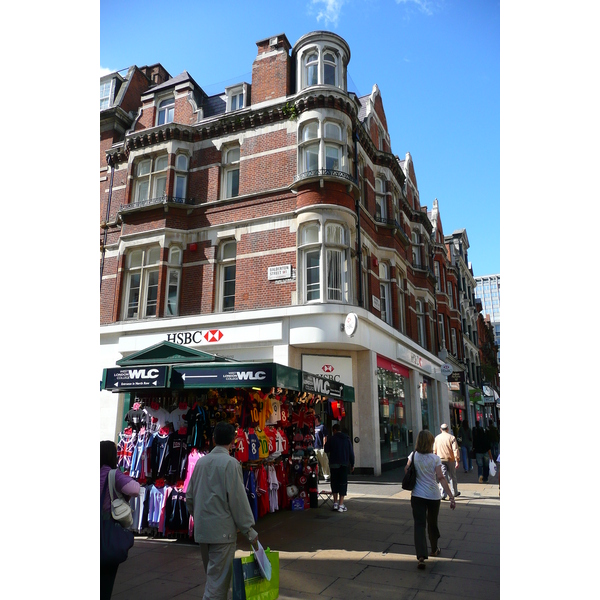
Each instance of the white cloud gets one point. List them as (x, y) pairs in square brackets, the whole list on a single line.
[(105, 71), (425, 6), (328, 10)]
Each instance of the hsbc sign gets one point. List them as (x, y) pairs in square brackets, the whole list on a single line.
[(184, 338)]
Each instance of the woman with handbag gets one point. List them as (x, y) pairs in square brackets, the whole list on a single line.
[(425, 498), (124, 485)]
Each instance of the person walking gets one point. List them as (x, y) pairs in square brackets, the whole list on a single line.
[(320, 440), (341, 456), (466, 445), (483, 453), (425, 497), (216, 498), (494, 436), (126, 486), (446, 447)]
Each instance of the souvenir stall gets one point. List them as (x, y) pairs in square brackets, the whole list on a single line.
[(174, 398)]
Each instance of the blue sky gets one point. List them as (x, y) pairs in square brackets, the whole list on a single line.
[(437, 64)]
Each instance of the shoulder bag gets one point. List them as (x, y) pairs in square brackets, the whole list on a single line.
[(410, 477), (119, 507), (115, 541)]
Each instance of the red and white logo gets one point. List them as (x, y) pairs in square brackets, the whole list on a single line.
[(213, 335), (327, 368)]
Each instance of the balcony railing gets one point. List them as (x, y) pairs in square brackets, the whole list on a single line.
[(156, 202), (314, 173)]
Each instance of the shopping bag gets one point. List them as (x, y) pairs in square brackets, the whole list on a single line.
[(248, 582), (115, 541), (492, 468)]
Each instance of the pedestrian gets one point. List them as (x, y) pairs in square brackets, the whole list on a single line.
[(320, 441), (341, 457), (483, 453), (126, 486), (217, 500), (466, 445), (425, 497), (494, 436), (446, 447)]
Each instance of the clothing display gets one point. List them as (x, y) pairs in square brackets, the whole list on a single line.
[(165, 437)]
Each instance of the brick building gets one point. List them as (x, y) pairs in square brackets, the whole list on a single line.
[(255, 223)]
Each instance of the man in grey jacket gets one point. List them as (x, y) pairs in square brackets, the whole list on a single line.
[(217, 500)]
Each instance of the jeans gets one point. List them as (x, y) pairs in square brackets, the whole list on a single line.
[(425, 515), (449, 472), (483, 465), (465, 458)]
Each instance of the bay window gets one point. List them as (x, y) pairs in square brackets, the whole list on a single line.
[(141, 283), (321, 66), (321, 147), (150, 178), (326, 247)]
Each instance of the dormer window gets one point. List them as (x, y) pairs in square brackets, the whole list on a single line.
[(166, 111), (105, 94), (236, 97)]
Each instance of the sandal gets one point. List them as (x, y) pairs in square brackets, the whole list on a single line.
[(421, 564), (437, 552)]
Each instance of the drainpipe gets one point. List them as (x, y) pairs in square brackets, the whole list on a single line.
[(361, 301), (109, 162)]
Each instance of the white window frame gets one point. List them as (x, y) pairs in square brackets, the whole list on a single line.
[(151, 177), (385, 293), (454, 345), (236, 97), (365, 275), (143, 276), (231, 172), (227, 275), (324, 260), (421, 324), (438, 276), (450, 294), (316, 60), (181, 171), (105, 97), (401, 309), (316, 146), (173, 284), (165, 111), (380, 198), (416, 249), (442, 332)]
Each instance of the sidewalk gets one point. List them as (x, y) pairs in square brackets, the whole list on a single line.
[(367, 552)]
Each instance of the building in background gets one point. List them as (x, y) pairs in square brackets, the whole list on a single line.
[(488, 291), (272, 222)]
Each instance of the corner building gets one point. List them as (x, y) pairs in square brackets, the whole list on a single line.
[(250, 224)]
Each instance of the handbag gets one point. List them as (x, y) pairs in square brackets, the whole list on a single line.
[(119, 507), (248, 582), (410, 477), (115, 541)]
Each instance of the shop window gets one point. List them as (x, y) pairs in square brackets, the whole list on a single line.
[(166, 111), (331, 250), (227, 276), (231, 172), (384, 293), (173, 282), (141, 287)]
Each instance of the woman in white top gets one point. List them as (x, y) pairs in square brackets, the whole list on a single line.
[(425, 499)]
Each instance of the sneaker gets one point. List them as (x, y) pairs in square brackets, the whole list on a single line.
[(457, 494), (335, 506), (342, 508), (481, 479)]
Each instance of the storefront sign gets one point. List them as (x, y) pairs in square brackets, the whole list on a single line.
[(320, 385), (229, 375), (350, 324), (446, 369), (456, 377), (135, 378), (336, 368), (389, 365), (280, 272)]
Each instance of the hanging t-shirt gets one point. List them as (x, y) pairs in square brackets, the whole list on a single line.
[(253, 445), (275, 415), (285, 416), (241, 446), (250, 485), (282, 442), (177, 417), (193, 457), (157, 417), (272, 439), (273, 489), (263, 450), (265, 409), (137, 418), (262, 489)]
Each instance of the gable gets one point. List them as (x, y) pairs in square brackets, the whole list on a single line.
[(169, 353)]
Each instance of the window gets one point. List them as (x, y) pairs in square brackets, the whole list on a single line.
[(362, 183), (416, 249), (438, 280), (173, 280), (321, 147), (332, 285), (181, 167), (365, 277), (150, 178), (380, 203), (228, 256), (166, 111), (231, 169), (401, 310), (380, 138), (320, 67), (141, 289), (235, 97), (421, 335), (454, 347), (450, 294), (384, 293), (442, 331), (105, 94)]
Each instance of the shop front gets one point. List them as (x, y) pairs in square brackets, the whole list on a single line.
[(174, 395)]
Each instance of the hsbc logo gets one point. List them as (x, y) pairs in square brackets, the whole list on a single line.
[(213, 335), (327, 368)]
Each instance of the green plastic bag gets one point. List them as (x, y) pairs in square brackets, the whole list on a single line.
[(249, 584)]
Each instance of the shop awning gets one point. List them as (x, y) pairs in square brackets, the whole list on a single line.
[(168, 365)]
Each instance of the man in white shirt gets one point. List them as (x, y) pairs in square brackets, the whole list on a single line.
[(446, 447)]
